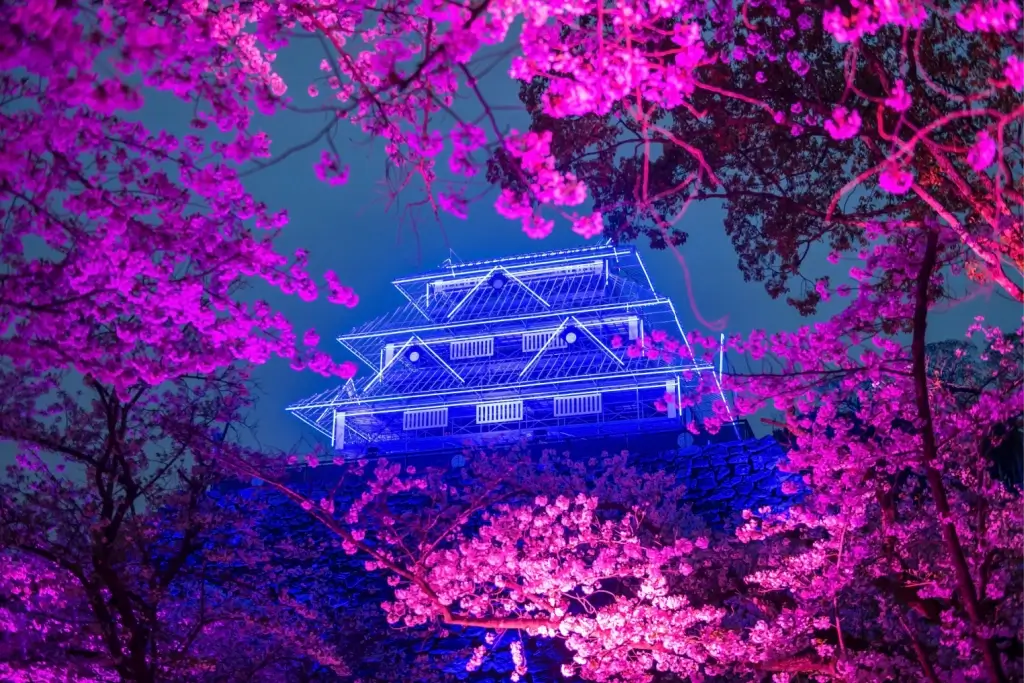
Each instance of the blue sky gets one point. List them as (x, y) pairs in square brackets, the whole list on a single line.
[(348, 229)]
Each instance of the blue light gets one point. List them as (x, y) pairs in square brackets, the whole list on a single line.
[(542, 396), (524, 333), (441, 327)]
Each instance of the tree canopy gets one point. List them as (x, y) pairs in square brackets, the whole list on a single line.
[(889, 130)]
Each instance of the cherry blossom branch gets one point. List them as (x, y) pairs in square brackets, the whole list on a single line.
[(992, 261), (444, 611)]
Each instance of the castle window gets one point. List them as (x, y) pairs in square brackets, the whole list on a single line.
[(472, 348), (501, 411)]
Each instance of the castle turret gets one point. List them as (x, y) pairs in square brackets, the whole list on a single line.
[(551, 345)]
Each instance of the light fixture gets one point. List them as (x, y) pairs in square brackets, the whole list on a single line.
[(414, 354), (498, 280), (570, 335)]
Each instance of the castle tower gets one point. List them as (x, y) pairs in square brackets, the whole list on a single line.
[(543, 346)]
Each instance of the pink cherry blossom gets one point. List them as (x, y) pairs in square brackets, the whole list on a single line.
[(895, 180), (844, 124), (1014, 72), (894, 557), (982, 152), (1000, 16), (588, 226), (899, 100)]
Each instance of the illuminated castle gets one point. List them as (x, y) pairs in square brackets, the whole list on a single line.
[(547, 346)]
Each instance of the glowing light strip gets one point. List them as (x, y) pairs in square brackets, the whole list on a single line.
[(721, 354), (541, 260), (540, 273), (535, 397), (540, 264), (398, 354), (470, 293), (356, 353), (497, 269), (529, 289), (518, 332), (314, 425), (668, 369), (728, 410), (721, 371), (353, 350), (409, 298), (447, 279), (312, 400), (682, 332), (544, 348), (598, 341), (350, 386), (328, 400), (718, 380), (644, 303), (394, 358), (650, 284), (531, 271), (439, 360), (358, 433)]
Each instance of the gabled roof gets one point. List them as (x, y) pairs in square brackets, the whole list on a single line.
[(547, 269), (459, 300), (567, 294), (606, 359), (399, 358)]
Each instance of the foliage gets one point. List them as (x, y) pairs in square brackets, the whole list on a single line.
[(756, 131), (124, 251), (854, 582), (121, 567), (903, 492)]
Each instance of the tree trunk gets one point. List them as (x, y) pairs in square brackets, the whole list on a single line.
[(964, 582)]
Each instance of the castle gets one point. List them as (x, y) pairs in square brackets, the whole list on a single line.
[(548, 350), (547, 346)]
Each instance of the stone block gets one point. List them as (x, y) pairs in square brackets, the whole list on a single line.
[(722, 493), (703, 483), (743, 486), (700, 463)]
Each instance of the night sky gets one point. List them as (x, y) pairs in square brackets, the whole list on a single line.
[(348, 229)]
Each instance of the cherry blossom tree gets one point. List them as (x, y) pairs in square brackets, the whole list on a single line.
[(108, 198), (903, 496), (122, 567), (758, 116), (889, 585), (374, 650), (496, 549), (860, 579), (35, 592), (129, 245), (124, 250), (878, 107), (673, 65)]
